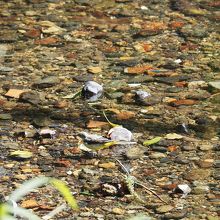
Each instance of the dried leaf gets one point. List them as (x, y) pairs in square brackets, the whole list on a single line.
[(29, 203), (15, 93), (96, 124), (95, 69), (21, 154), (173, 136)]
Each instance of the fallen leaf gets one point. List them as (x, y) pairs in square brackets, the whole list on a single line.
[(183, 102), (124, 115), (120, 211), (47, 41), (109, 165), (46, 207), (63, 163), (15, 93), (171, 186), (94, 69), (20, 154), (138, 69), (30, 203), (33, 33), (143, 47), (173, 136), (152, 28), (181, 84), (97, 124), (172, 148), (152, 141), (176, 24)]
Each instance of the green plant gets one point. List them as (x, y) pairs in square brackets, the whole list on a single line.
[(9, 210)]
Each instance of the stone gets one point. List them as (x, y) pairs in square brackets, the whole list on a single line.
[(197, 174), (209, 217), (173, 136), (3, 50), (33, 33), (181, 102), (6, 69), (134, 153), (164, 209), (217, 164), (46, 82), (206, 163), (5, 116), (92, 91), (214, 85), (94, 69), (176, 215), (47, 41), (118, 211), (31, 97), (119, 133), (109, 165), (201, 189), (197, 84), (157, 155), (189, 147), (197, 31), (206, 147)]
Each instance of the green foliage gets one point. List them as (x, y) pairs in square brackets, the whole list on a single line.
[(151, 141), (65, 192), (9, 210)]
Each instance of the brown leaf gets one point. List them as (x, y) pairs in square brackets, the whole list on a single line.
[(14, 93), (33, 33), (169, 186), (176, 24), (94, 69), (109, 165), (124, 115), (151, 28), (181, 84), (47, 41), (97, 124), (172, 148), (30, 203), (138, 69), (183, 102), (63, 163)]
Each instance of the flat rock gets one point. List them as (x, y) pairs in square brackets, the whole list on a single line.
[(134, 153), (206, 147), (30, 97), (215, 84), (197, 174), (164, 209), (157, 155), (47, 82)]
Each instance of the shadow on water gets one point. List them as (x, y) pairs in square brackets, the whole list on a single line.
[(81, 114)]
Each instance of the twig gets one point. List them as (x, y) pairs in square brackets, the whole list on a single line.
[(150, 190), (131, 181)]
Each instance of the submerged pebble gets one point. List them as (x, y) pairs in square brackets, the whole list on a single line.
[(92, 91)]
